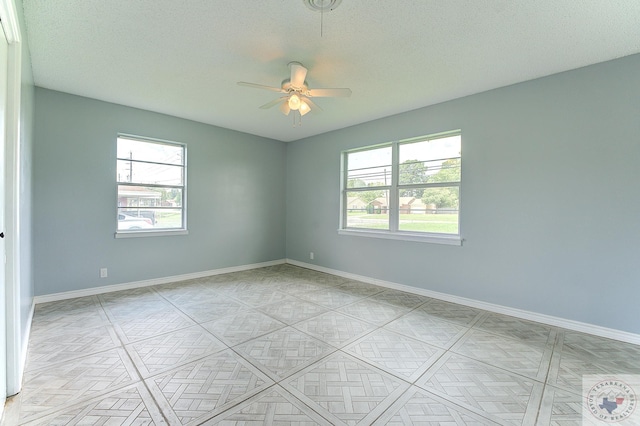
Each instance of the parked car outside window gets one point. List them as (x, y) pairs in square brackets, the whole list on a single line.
[(126, 222)]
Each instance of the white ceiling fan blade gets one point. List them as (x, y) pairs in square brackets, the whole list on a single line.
[(260, 86), (314, 107), (329, 93), (298, 74), (273, 103), (284, 108)]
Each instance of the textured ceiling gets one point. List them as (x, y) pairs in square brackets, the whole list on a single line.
[(184, 58)]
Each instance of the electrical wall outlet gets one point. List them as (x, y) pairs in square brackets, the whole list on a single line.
[(311, 255), (103, 273)]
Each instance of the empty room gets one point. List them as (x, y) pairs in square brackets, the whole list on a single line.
[(333, 212)]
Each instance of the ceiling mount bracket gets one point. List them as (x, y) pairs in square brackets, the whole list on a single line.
[(322, 5)]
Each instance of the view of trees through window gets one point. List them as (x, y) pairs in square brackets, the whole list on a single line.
[(418, 179), (151, 184)]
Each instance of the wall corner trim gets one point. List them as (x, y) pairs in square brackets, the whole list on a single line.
[(582, 327)]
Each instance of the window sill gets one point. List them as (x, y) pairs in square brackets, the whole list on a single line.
[(163, 233), (453, 240)]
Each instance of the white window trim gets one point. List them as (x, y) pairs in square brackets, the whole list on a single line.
[(160, 232), (448, 239), (144, 233), (393, 233)]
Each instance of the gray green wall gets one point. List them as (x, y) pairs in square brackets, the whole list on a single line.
[(549, 215), (550, 199), (236, 189)]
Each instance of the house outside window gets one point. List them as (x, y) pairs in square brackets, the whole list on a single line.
[(408, 189), (151, 179)]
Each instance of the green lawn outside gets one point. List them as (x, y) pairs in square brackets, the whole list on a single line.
[(439, 223), (168, 220)]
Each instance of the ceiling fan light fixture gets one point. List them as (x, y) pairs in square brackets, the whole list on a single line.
[(294, 102), (304, 108)]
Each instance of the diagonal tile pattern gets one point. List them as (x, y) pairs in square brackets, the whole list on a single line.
[(399, 298), (431, 330), (335, 328), (529, 359), (459, 314), (274, 406), (418, 407), (346, 390), (48, 348), (170, 350), (199, 390), (373, 311), (283, 352), (46, 389), (286, 345), (483, 389), (243, 326), (560, 407), (151, 322), (294, 311), (132, 405), (399, 355)]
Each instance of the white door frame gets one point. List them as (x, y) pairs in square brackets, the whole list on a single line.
[(16, 349)]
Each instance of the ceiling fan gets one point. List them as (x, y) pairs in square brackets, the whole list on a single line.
[(296, 94)]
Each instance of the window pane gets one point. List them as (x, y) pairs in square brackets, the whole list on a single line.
[(134, 219), (156, 152), (157, 174), (149, 218), (369, 168), (368, 209), (140, 196), (436, 160), (429, 210)]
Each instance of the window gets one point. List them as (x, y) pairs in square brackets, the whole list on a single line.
[(406, 189), (151, 178)]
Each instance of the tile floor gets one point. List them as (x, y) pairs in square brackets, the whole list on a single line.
[(287, 345)]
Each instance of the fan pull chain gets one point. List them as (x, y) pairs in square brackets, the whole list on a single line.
[(297, 114)]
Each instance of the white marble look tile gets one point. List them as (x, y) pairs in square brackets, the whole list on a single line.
[(345, 390), (283, 352), (45, 390), (374, 312), (530, 359), (459, 314), (396, 354), (307, 348), (274, 406), (335, 328), (245, 325), (293, 312), (419, 407), (487, 391), (46, 348), (197, 391), (167, 351), (132, 405), (427, 328)]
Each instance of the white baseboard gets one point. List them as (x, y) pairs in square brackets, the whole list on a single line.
[(145, 283), (583, 327), (518, 313)]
